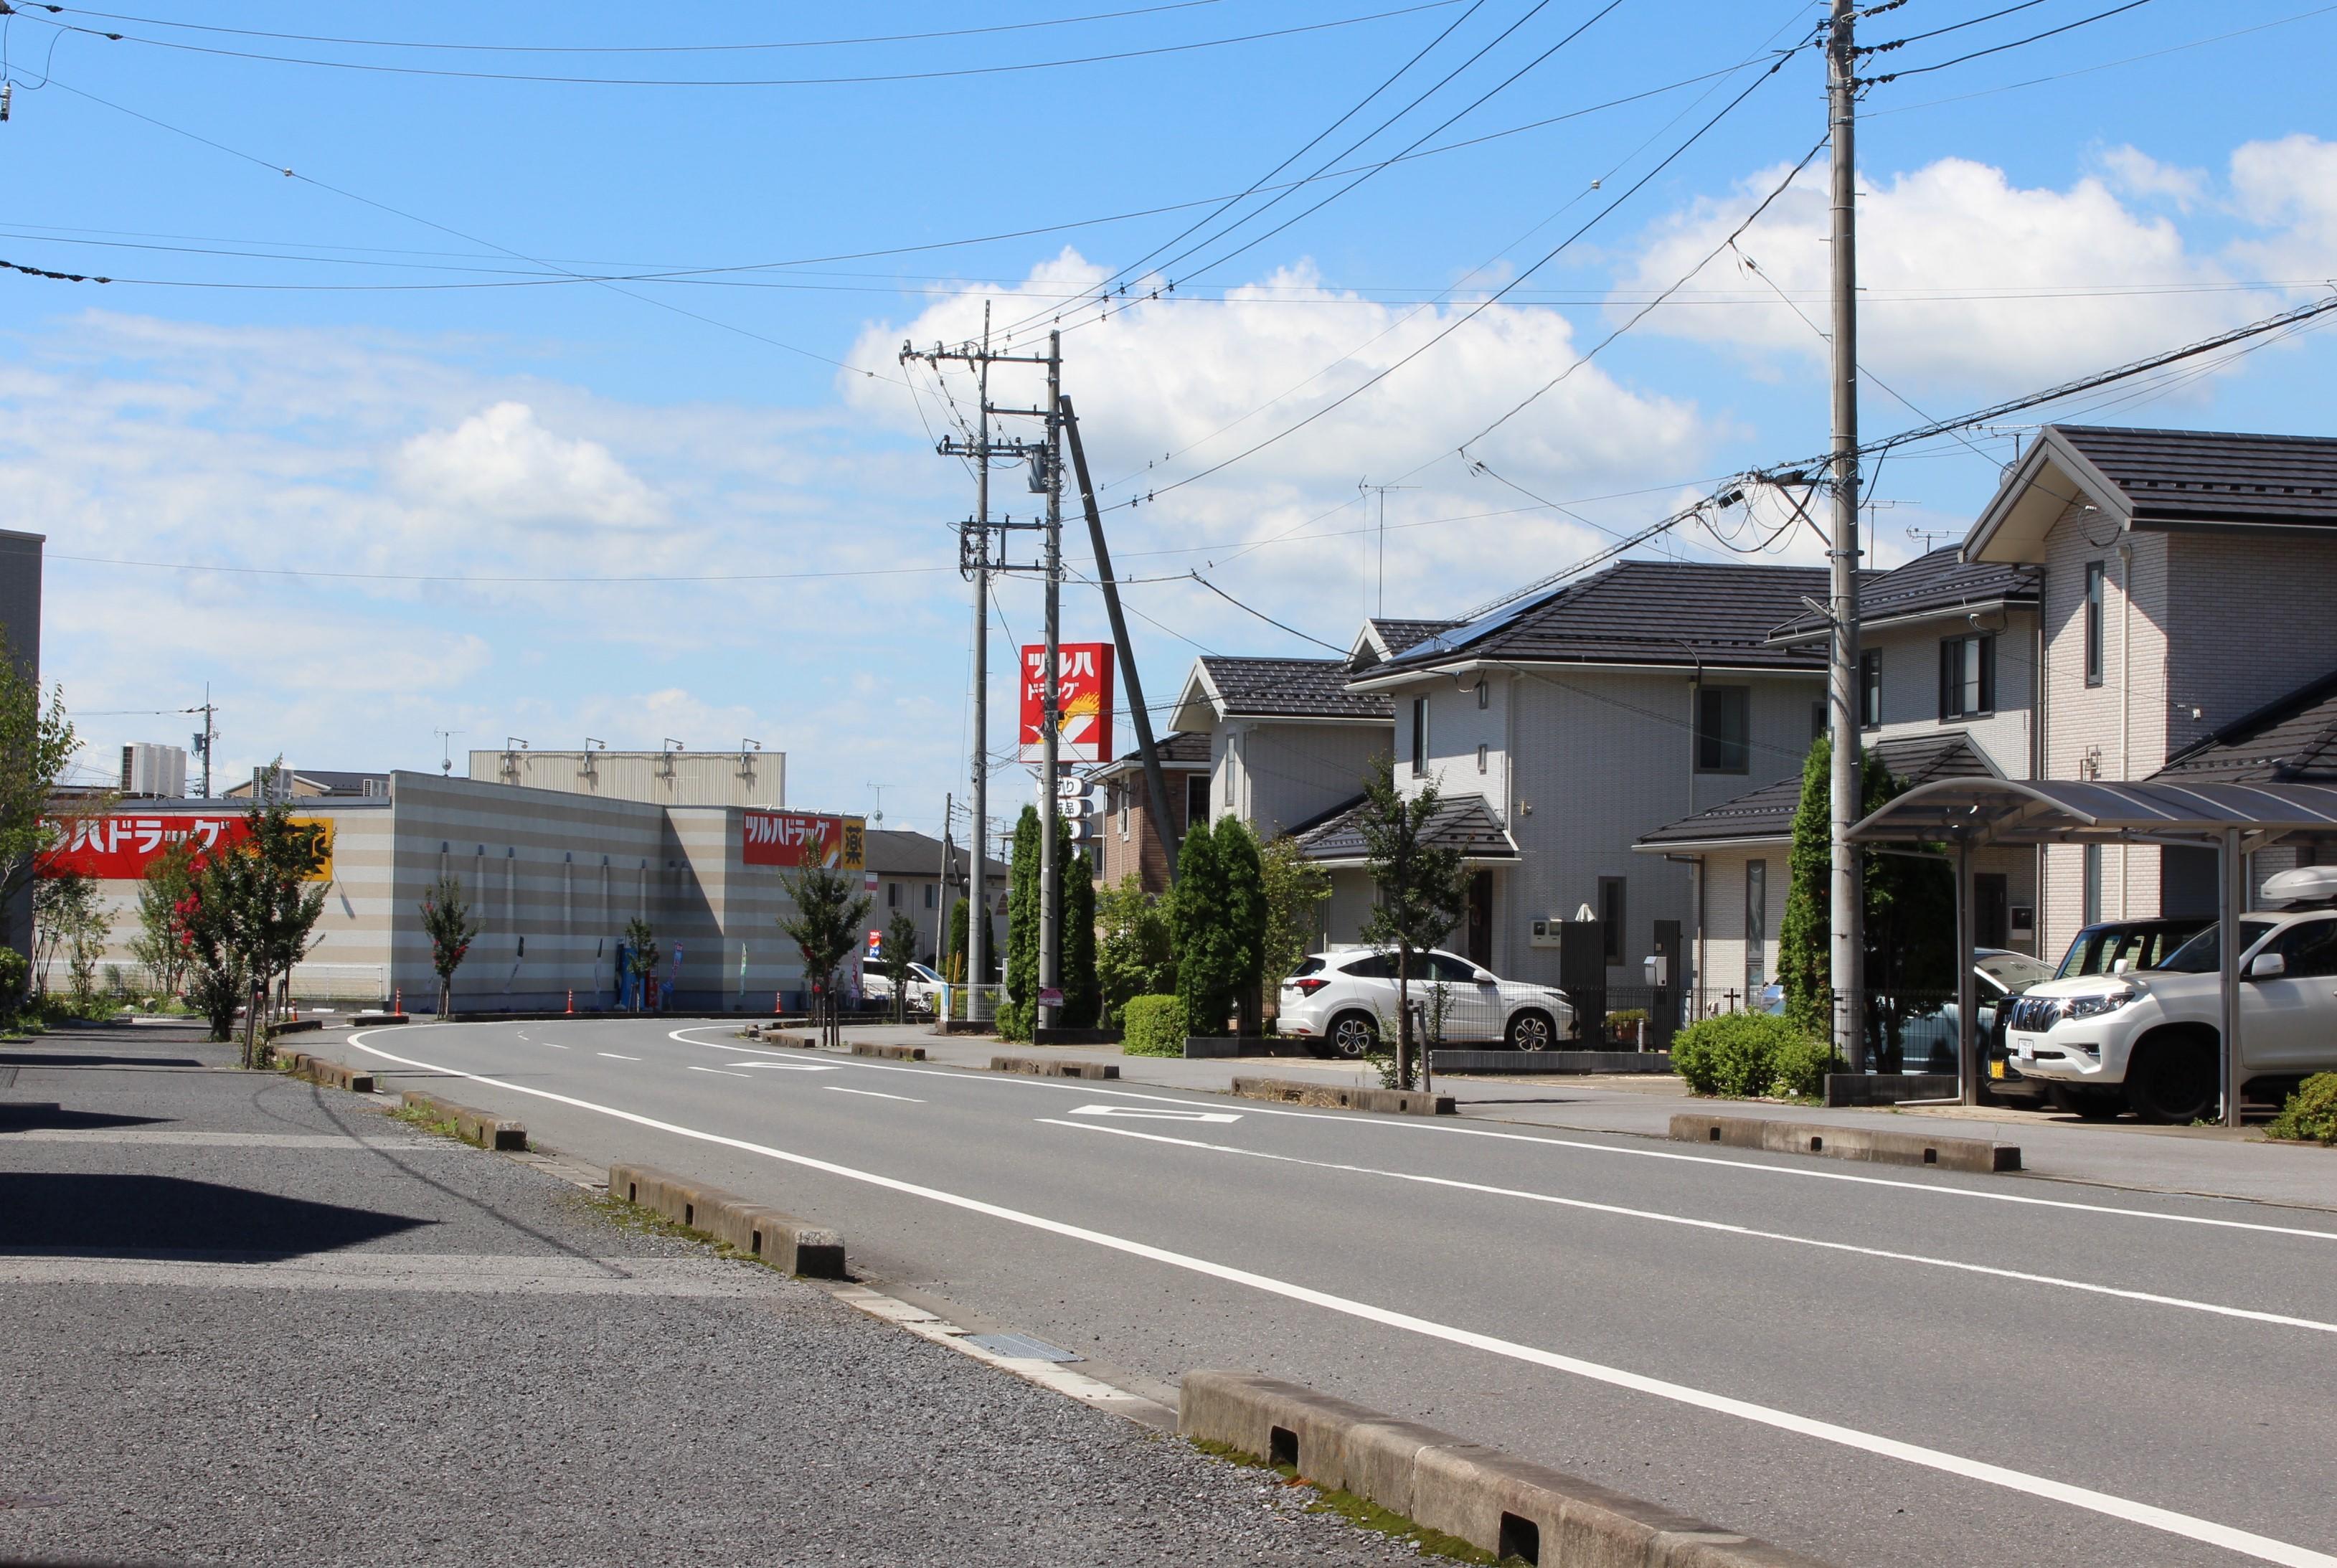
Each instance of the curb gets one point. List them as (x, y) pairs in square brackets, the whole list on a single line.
[(889, 1052), (1872, 1145), (479, 1127), (1501, 1504), (1038, 1068), (332, 1074), (295, 1026), (1298, 1091), (795, 1246)]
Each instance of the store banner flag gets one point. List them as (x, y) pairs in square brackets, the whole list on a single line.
[(1084, 692)]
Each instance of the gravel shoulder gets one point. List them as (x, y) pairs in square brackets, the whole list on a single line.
[(337, 1342)]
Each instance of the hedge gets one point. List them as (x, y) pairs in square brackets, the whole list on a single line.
[(1153, 1026), (1744, 1055), (2311, 1113)]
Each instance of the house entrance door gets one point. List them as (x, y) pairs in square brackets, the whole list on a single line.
[(1481, 919)]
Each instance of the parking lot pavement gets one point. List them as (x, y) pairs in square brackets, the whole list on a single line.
[(256, 1321)]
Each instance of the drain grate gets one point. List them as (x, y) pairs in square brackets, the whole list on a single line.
[(1021, 1347)]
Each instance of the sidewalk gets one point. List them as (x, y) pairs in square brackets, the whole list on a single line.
[(2207, 1161), (257, 1321)]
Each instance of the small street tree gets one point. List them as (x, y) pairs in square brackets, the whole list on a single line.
[(1423, 887), (1295, 889), (1082, 994), (1246, 916), (900, 952), (1019, 1012), (1135, 953), (69, 920), (448, 923), (1201, 919), (640, 958), (218, 965), (36, 746), (284, 897), (161, 943), (825, 925)]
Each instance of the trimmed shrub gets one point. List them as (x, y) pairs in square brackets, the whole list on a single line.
[(2311, 1113), (1800, 1066), (1741, 1054), (1153, 1026)]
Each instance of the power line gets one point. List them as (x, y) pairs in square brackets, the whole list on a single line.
[(1997, 49), (456, 577), (1269, 619), (377, 67)]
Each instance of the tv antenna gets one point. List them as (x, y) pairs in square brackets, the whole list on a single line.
[(446, 750)]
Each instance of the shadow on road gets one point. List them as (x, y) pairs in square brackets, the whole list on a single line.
[(21, 1116), (76, 1059), (100, 1216)]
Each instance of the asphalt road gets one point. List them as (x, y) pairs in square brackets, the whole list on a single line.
[(1873, 1366)]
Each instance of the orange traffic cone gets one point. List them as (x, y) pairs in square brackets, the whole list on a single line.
[(397, 1002), (572, 1002)]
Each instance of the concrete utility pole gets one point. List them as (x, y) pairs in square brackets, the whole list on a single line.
[(1051, 861), (977, 911), (1848, 900), (209, 711)]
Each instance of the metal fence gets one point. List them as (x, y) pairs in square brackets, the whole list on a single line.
[(1907, 1031), (1618, 1018)]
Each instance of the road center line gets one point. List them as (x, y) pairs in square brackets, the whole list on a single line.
[(2282, 1319), (2264, 1548), (871, 1093), (1416, 1125), (718, 1072)]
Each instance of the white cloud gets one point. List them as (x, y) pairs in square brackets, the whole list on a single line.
[(2288, 189), (1967, 279), (502, 464), (2133, 173)]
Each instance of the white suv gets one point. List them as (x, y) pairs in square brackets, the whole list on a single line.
[(1340, 1001), (2148, 1040)]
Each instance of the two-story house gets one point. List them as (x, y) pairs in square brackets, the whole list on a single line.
[(1562, 727), (1948, 654), (1288, 739), (2186, 583), (1127, 838)]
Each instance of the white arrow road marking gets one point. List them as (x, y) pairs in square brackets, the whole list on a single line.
[(871, 1093), (1151, 1113), (791, 1066), (716, 1071), (2191, 1527)]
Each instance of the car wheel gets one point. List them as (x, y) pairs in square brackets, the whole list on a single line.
[(2086, 1104), (1353, 1035), (1532, 1032), (2172, 1082)]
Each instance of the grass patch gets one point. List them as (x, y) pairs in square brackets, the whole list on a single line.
[(1361, 1512), (644, 1221), (424, 1122)]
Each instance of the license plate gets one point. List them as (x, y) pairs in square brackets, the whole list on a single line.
[(1996, 1069)]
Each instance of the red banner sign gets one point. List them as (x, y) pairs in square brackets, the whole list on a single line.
[(121, 847), (794, 838), (1084, 702)]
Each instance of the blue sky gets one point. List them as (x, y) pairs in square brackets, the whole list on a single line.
[(731, 477)]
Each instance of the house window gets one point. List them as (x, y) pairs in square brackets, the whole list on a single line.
[(1870, 688), (2096, 576), (1197, 799), (1817, 719), (1484, 693), (892, 895), (1724, 728), (1419, 737), (1480, 755), (933, 895), (1610, 918), (1967, 677), (1756, 929), (2093, 898), (1120, 793)]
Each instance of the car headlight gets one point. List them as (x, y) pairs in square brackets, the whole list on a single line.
[(2093, 1006)]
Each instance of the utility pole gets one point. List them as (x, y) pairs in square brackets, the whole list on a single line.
[(209, 711), (1848, 900), (1051, 859), (981, 551)]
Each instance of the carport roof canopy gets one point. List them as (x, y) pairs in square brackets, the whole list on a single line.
[(2056, 811)]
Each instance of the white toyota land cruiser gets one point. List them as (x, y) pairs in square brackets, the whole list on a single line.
[(2147, 1040)]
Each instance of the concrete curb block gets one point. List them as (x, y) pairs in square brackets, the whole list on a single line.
[(332, 1074), (1298, 1092), (1834, 1142), (889, 1052), (479, 1127), (796, 1245), (1492, 1501), (1038, 1068), (1844, 1089), (295, 1026)]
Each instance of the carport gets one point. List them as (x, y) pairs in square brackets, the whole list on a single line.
[(2235, 819)]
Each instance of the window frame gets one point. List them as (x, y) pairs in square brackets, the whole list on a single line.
[(1420, 736), (1707, 738), (1968, 666), (1614, 925), (2089, 884), (2097, 614), (1757, 926), (1202, 780), (1870, 688)]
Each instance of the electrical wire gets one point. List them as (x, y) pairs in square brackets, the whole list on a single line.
[(380, 68), (476, 578), (2000, 48), (1295, 631)]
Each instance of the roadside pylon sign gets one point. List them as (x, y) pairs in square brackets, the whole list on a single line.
[(1084, 681)]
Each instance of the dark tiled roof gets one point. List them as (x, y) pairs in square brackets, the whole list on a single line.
[(2214, 476), (1768, 813), (1642, 613), (904, 852), (1464, 821), (1178, 748), (1938, 581), (1401, 634), (2292, 740), (1291, 687)]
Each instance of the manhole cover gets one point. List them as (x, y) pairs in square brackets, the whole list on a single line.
[(1021, 1347)]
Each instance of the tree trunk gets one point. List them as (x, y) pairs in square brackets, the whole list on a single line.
[(1403, 1017)]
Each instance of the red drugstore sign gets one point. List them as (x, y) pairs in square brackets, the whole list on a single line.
[(794, 838), (1084, 694), (120, 847)]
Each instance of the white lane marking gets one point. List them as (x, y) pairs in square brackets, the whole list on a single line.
[(2282, 1319), (871, 1093), (1153, 1113), (1417, 1124), (2229, 1538), (791, 1066), (716, 1071), (554, 1047), (612, 1056)]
